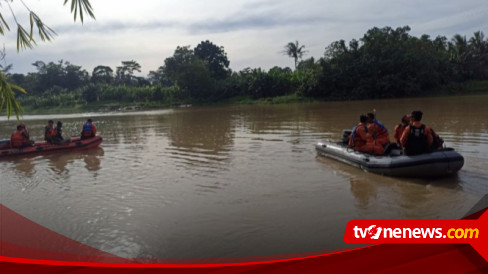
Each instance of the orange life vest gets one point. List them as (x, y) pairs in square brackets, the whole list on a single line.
[(18, 139)]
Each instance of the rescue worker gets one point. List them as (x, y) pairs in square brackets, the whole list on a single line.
[(417, 137), (58, 138), (400, 128), (20, 138), (50, 132), (89, 130), (361, 140), (359, 135), (437, 141), (378, 130), (26, 131)]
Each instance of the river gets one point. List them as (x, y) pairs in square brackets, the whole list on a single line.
[(235, 181)]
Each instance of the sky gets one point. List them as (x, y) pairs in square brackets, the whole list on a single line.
[(253, 33)]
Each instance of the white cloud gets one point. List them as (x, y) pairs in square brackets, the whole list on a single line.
[(252, 32)]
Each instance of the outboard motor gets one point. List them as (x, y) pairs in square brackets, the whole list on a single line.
[(345, 136)]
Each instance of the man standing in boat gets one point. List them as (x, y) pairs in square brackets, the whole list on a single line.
[(89, 130), (417, 137)]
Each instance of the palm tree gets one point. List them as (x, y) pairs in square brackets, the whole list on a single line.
[(295, 51)]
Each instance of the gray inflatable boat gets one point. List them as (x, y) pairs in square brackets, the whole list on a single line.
[(439, 163)]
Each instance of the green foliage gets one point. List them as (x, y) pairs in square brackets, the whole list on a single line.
[(216, 59), (384, 63), (295, 51)]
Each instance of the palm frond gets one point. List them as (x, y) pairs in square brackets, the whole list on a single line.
[(7, 97), (80, 7), (24, 40), (3, 25)]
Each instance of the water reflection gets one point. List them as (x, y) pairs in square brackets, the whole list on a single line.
[(58, 163), (25, 166), (166, 185)]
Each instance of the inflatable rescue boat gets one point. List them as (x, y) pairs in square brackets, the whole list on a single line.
[(75, 143), (438, 163)]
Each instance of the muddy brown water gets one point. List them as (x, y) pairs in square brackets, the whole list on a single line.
[(235, 181)]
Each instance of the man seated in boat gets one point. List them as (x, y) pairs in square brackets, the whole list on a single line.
[(362, 140), (378, 130), (417, 137), (50, 132), (405, 122), (58, 138), (20, 138), (89, 130)]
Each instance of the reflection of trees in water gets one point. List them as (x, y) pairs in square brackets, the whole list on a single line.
[(58, 162), (205, 131), (400, 197), (25, 166), (127, 129)]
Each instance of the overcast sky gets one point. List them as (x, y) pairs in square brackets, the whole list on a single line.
[(252, 32)]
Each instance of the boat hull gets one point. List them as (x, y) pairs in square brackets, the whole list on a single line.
[(439, 163), (45, 148)]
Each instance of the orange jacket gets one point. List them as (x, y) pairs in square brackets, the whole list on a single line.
[(417, 124), (49, 132), (91, 132), (18, 138), (380, 131), (359, 137), (398, 132)]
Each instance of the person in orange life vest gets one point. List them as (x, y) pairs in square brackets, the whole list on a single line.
[(437, 141), (417, 137), (50, 132), (378, 130), (361, 140), (26, 131), (89, 130), (401, 127), (359, 135), (20, 138)]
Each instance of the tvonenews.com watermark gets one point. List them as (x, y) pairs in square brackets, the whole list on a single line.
[(473, 232), (375, 232)]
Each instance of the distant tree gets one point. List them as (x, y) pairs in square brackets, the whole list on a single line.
[(295, 51), (215, 56), (190, 74), (158, 77), (62, 74), (478, 48), (460, 55), (102, 74), (306, 64), (125, 73)]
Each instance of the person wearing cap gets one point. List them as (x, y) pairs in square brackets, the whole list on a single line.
[(378, 130), (50, 132), (417, 137), (89, 130), (401, 127)]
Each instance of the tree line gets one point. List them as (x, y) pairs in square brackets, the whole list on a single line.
[(384, 63)]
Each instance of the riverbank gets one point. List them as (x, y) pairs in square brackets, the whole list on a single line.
[(453, 89)]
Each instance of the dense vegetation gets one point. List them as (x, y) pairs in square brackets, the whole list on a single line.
[(384, 63)]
